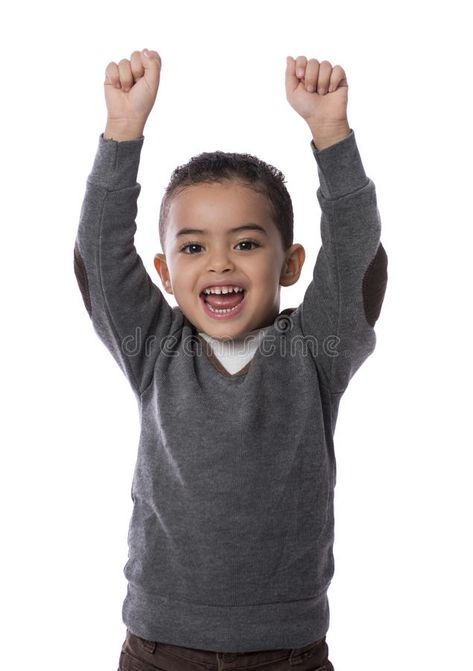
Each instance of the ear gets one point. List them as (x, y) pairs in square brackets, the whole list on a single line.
[(163, 271), (292, 266)]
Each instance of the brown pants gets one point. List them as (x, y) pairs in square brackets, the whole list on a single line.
[(139, 654)]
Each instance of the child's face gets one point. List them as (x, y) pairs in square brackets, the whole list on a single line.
[(252, 259)]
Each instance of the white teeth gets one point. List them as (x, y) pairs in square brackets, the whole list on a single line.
[(223, 290), (220, 310)]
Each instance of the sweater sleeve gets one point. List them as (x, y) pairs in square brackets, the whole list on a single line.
[(343, 300), (128, 311)]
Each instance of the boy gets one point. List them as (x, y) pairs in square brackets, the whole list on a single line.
[(231, 536)]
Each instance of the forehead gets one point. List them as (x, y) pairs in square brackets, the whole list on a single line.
[(229, 201)]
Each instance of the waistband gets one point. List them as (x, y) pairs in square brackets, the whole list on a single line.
[(209, 659)]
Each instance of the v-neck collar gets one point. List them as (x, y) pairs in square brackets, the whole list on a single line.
[(215, 361)]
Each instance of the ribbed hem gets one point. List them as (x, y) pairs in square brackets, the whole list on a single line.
[(288, 624), (116, 163), (340, 168)]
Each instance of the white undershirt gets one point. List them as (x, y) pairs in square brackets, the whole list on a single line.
[(234, 354)]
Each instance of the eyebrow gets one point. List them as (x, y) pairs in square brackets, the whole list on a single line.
[(244, 227)]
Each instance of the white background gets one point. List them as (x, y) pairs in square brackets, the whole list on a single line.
[(401, 597)]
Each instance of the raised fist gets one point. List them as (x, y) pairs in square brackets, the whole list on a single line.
[(131, 87), (317, 91)]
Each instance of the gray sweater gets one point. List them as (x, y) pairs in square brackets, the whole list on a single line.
[(232, 530)]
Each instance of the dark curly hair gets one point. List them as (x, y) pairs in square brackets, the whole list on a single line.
[(218, 166)]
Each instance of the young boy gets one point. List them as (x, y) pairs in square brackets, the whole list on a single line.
[(231, 536)]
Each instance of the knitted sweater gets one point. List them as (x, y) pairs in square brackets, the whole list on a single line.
[(236, 353), (232, 530)]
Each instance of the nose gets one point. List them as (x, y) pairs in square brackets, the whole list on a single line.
[(220, 261)]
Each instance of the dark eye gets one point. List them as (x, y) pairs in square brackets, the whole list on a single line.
[(196, 244), (191, 244), (248, 242)]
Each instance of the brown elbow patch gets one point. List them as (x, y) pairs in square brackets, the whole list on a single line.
[(374, 285), (81, 276)]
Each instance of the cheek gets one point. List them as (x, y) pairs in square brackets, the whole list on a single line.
[(185, 275), (267, 270)]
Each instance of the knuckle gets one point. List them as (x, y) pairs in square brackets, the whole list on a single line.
[(312, 70), (111, 68), (111, 71), (135, 58)]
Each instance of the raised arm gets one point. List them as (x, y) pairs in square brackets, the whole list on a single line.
[(128, 311), (343, 301)]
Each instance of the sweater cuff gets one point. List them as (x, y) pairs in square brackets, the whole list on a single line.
[(116, 163), (340, 168)]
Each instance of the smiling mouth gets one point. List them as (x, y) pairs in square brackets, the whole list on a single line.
[(223, 304)]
